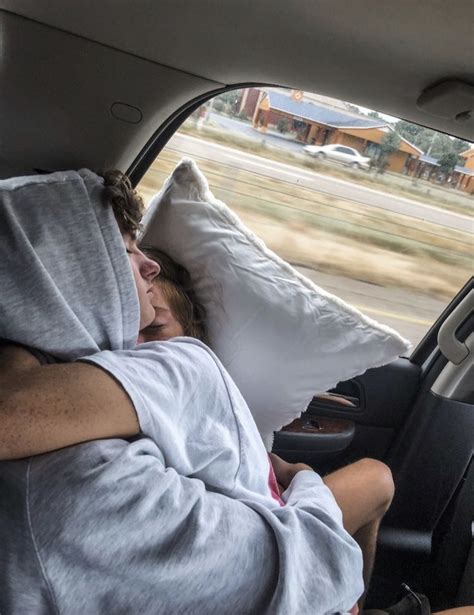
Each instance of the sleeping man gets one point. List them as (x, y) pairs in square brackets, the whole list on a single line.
[(109, 525)]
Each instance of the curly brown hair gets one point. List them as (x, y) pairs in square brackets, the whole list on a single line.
[(127, 204), (178, 289)]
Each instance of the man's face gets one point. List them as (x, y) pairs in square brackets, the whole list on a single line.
[(165, 325), (144, 272)]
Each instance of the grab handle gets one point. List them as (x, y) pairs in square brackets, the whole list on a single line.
[(453, 349)]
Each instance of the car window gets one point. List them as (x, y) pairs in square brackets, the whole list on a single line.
[(393, 237)]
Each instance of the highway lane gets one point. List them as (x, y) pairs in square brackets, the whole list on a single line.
[(191, 146)]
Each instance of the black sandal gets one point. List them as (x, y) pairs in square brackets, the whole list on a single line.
[(412, 603)]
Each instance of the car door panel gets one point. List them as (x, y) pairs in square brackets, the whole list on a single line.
[(434, 474), (417, 416), (316, 434), (427, 533), (382, 398)]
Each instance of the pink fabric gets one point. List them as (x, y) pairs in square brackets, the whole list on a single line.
[(354, 610), (273, 484)]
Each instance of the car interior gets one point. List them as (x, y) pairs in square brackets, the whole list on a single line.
[(107, 85)]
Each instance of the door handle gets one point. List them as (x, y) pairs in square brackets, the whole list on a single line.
[(337, 400)]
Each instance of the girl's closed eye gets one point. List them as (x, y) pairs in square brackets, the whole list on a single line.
[(177, 309)]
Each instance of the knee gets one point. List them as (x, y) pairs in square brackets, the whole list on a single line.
[(380, 478)]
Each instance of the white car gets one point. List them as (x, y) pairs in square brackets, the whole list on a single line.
[(339, 153)]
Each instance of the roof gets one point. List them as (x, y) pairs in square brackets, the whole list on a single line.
[(319, 113), (429, 160), (464, 170)]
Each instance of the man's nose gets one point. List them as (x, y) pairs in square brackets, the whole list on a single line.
[(149, 268)]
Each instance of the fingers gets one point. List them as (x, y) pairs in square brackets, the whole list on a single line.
[(284, 471)]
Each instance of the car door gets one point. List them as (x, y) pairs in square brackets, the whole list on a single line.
[(340, 154), (347, 155), (417, 415), (396, 264)]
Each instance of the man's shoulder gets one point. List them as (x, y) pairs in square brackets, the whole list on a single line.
[(151, 359), (179, 344), (187, 351)]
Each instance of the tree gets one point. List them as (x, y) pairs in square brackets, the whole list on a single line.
[(230, 101), (353, 108), (461, 146), (447, 163), (389, 143), (408, 130), (431, 143), (283, 125), (375, 115), (218, 105), (422, 138)]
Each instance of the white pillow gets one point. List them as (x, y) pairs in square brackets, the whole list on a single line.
[(281, 337)]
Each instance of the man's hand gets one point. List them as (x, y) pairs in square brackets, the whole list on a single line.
[(284, 471)]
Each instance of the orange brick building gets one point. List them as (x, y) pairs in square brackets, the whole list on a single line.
[(467, 182), (323, 125)]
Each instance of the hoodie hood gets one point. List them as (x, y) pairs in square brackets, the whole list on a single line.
[(67, 288)]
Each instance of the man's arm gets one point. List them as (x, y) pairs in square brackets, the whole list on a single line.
[(117, 531), (43, 408)]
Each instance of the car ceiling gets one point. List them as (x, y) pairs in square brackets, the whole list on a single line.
[(156, 56)]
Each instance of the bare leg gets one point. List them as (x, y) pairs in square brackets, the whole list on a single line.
[(364, 491)]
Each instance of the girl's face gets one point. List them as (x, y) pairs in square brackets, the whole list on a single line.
[(165, 325)]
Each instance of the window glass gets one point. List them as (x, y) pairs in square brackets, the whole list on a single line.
[(392, 234)]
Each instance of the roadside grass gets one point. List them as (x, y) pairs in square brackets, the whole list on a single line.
[(334, 235), (420, 190), (323, 251)]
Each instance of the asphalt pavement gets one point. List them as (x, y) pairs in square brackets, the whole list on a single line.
[(326, 184)]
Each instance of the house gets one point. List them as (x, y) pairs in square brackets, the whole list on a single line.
[(319, 123), (426, 167), (467, 183)]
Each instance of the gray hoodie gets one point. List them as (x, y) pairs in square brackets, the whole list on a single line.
[(66, 285), (108, 526)]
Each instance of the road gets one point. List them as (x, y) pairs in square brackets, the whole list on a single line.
[(408, 313), (339, 188)]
